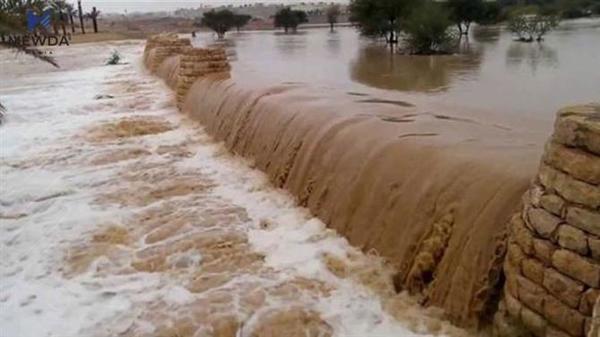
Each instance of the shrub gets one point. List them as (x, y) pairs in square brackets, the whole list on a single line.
[(288, 18), (114, 58), (427, 30), (528, 28)]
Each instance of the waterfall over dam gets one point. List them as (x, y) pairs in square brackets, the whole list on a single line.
[(434, 194)]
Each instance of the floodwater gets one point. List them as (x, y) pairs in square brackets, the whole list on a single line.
[(119, 216), (493, 75)]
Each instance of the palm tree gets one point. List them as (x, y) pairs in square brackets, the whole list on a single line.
[(71, 11), (94, 16), (59, 13), (80, 16)]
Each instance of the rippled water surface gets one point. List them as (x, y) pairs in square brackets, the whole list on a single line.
[(493, 74)]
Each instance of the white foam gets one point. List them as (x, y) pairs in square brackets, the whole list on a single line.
[(37, 300)]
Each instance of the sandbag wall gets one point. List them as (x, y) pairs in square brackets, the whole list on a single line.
[(553, 262)]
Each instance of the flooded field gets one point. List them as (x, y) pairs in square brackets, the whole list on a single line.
[(495, 75), (305, 196)]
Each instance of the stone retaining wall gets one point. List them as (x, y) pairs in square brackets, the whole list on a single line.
[(160, 47), (193, 62), (552, 266)]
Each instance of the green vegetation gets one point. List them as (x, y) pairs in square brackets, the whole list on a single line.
[(465, 12), (424, 25), (332, 13), (13, 20), (427, 30), (240, 21), (114, 58), (288, 18), (222, 21), (380, 18), (528, 28)]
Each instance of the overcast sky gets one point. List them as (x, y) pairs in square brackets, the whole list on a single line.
[(169, 5)]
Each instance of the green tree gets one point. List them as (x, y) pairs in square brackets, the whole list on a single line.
[(219, 21), (380, 18), (240, 20), (529, 28), (289, 18), (427, 29), (333, 12), (465, 12)]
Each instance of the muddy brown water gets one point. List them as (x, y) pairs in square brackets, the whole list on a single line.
[(493, 75)]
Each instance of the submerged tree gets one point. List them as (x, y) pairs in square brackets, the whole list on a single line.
[(219, 21), (529, 28), (380, 18), (222, 21), (427, 29), (333, 12), (465, 12), (289, 18), (240, 20)]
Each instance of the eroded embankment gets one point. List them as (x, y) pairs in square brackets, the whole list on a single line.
[(429, 192)]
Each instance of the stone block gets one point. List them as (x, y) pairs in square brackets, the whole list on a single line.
[(578, 126), (572, 238), (594, 245), (578, 163), (552, 331), (543, 222), (531, 295), (588, 300), (522, 235), (511, 285), (534, 322), (543, 250), (513, 306), (553, 204), (568, 320), (533, 270), (577, 267), (534, 194), (569, 291), (515, 256), (584, 219), (569, 188)]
